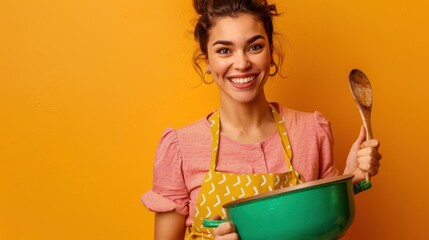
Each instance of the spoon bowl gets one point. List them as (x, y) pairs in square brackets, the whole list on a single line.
[(362, 94)]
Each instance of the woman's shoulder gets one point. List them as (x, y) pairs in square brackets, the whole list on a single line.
[(297, 116), (198, 127), (189, 133), (301, 123)]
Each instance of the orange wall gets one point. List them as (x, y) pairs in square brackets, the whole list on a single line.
[(87, 87)]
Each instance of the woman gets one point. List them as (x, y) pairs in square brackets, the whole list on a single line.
[(247, 145)]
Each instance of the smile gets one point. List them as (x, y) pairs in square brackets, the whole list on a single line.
[(242, 80)]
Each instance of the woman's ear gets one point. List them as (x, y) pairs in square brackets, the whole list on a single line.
[(208, 70)]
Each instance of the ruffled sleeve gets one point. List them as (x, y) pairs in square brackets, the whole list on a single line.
[(169, 191), (325, 142)]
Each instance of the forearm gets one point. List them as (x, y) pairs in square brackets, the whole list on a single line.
[(169, 226)]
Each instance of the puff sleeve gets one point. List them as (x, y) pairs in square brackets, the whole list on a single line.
[(325, 143), (169, 191)]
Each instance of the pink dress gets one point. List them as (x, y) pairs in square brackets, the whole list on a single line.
[(183, 157)]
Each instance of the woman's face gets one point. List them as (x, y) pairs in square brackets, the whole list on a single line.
[(238, 56)]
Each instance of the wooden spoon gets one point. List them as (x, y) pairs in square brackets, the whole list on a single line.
[(362, 94)]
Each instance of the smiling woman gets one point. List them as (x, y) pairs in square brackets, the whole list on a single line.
[(249, 145), (87, 87)]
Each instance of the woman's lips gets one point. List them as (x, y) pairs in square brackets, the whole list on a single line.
[(242, 82)]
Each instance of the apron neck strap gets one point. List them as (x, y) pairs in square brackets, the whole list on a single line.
[(280, 123), (215, 131)]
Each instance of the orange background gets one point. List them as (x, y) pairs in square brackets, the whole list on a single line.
[(87, 88)]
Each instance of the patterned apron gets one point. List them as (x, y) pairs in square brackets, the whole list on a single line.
[(219, 188)]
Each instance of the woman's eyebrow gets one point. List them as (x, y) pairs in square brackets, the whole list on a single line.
[(229, 43), (222, 42), (252, 39)]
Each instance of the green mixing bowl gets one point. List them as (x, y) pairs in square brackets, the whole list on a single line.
[(321, 209)]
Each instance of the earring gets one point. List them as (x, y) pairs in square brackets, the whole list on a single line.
[(204, 77), (275, 71)]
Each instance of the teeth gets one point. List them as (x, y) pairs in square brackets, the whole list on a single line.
[(242, 80)]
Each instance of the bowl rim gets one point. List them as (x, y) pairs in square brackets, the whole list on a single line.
[(314, 183)]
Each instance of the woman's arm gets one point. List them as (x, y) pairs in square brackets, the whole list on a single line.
[(169, 226)]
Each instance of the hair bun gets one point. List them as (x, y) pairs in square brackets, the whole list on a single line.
[(200, 6)]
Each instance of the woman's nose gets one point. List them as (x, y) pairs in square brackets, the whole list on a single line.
[(242, 61)]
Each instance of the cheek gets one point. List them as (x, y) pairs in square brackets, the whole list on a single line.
[(218, 67), (264, 63)]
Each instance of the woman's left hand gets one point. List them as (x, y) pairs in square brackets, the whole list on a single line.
[(363, 157), (225, 231)]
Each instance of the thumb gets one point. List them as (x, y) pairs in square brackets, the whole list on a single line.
[(362, 136), (217, 217)]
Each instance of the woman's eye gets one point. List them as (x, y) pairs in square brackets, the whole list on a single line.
[(223, 51), (256, 48)]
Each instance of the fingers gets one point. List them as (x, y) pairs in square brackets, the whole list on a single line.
[(371, 168), (369, 157), (369, 152), (226, 231), (374, 143)]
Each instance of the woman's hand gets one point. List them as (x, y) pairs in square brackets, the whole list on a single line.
[(225, 231), (363, 157)]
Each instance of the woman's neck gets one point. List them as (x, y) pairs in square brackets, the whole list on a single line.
[(247, 122)]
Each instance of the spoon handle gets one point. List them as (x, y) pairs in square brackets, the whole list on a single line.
[(366, 119)]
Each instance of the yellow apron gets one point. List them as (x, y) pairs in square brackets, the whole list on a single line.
[(219, 188)]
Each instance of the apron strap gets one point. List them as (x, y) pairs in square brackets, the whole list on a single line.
[(280, 123), (215, 131)]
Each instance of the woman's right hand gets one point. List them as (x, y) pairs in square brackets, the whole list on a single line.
[(225, 231)]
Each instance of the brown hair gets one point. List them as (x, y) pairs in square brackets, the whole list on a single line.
[(210, 10)]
